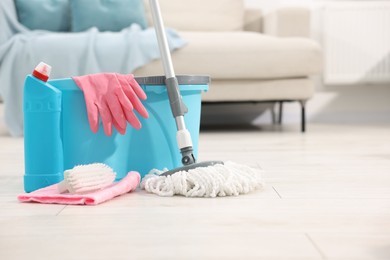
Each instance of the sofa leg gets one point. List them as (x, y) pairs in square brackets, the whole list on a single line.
[(280, 112), (303, 115), (273, 114)]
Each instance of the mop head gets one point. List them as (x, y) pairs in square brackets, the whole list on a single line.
[(220, 180)]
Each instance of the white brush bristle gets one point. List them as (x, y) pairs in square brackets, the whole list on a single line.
[(88, 178)]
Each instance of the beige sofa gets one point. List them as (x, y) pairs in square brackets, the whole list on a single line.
[(250, 57)]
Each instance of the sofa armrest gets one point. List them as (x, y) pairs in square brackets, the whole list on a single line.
[(9, 24), (253, 20), (288, 22)]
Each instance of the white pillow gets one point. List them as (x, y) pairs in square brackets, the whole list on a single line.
[(201, 15)]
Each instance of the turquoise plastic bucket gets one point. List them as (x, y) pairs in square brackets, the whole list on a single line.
[(153, 146)]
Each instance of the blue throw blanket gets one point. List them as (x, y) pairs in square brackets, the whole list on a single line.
[(69, 54)]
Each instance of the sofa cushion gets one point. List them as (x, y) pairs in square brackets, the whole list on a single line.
[(243, 55), (201, 15), (255, 90), (107, 15), (51, 15)]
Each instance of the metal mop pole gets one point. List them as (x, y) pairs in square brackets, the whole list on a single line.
[(177, 106)]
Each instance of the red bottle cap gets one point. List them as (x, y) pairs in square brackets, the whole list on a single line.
[(42, 71)]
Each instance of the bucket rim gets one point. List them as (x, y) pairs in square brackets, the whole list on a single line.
[(182, 80)]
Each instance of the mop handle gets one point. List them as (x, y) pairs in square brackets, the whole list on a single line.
[(177, 106), (162, 39)]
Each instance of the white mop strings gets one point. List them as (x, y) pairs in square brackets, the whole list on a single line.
[(228, 179)]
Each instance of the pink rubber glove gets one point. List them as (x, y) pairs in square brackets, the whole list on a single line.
[(108, 96), (134, 93)]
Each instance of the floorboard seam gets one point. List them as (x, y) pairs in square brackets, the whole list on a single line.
[(280, 197), (323, 256), (59, 212)]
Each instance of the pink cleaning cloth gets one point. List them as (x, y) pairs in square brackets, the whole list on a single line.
[(50, 194)]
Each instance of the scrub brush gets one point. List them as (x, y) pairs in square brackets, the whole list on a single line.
[(87, 178)]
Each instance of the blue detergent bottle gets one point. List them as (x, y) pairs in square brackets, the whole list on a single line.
[(43, 153)]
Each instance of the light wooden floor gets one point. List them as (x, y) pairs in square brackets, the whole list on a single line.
[(327, 197)]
